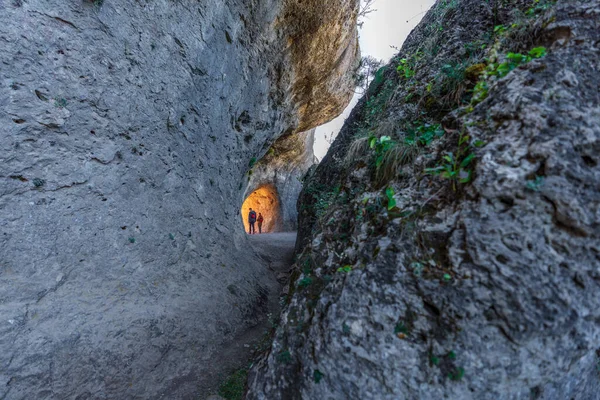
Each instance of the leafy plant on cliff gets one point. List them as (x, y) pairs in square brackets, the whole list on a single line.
[(500, 70), (456, 166), (539, 6), (423, 133), (391, 201), (407, 67), (380, 146)]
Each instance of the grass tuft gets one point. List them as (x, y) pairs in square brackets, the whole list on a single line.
[(234, 386)]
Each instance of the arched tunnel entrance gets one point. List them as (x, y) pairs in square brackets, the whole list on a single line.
[(264, 200)]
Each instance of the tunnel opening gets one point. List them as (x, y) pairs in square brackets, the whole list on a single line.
[(264, 200)]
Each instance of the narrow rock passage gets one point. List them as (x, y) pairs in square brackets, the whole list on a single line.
[(277, 249), (277, 252)]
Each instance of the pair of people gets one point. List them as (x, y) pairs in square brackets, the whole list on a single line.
[(252, 219)]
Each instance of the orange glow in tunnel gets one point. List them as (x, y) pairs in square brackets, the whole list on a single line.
[(263, 200)]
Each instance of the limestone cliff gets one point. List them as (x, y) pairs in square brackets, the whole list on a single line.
[(449, 241), (127, 130)]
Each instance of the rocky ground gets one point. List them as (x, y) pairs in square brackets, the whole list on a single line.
[(276, 252)]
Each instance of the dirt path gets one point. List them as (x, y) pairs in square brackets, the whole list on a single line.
[(275, 248), (277, 251)]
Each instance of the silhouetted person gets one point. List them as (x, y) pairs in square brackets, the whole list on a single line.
[(260, 221), (251, 221)]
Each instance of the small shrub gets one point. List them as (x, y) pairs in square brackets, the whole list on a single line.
[(423, 134), (455, 167), (380, 146), (405, 69)]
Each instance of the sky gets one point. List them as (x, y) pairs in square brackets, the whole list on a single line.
[(388, 26)]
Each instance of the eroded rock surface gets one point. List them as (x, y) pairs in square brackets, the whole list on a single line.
[(126, 132), (473, 276)]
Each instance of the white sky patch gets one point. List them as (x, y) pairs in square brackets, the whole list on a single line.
[(388, 26)]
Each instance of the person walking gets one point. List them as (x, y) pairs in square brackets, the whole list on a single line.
[(251, 221), (260, 222)]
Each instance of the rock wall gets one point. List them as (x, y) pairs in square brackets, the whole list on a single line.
[(126, 132), (449, 241)]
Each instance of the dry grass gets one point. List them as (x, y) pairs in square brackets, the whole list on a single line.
[(357, 150), (393, 161)]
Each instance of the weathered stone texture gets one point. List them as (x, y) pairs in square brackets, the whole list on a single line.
[(127, 128), (488, 291)]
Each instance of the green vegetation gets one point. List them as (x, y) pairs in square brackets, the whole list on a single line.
[(318, 375), (131, 240), (406, 69), (456, 166), (391, 202), (284, 357), (389, 154), (393, 137), (380, 146), (38, 182), (457, 374), (322, 198), (304, 282), (234, 386), (60, 102), (345, 268), (500, 70), (535, 184), (513, 60), (400, 328), (423, 133), (539, 6)]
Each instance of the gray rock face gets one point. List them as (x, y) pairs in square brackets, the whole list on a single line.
[(126, 132), (481, 289), (283, 168)]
